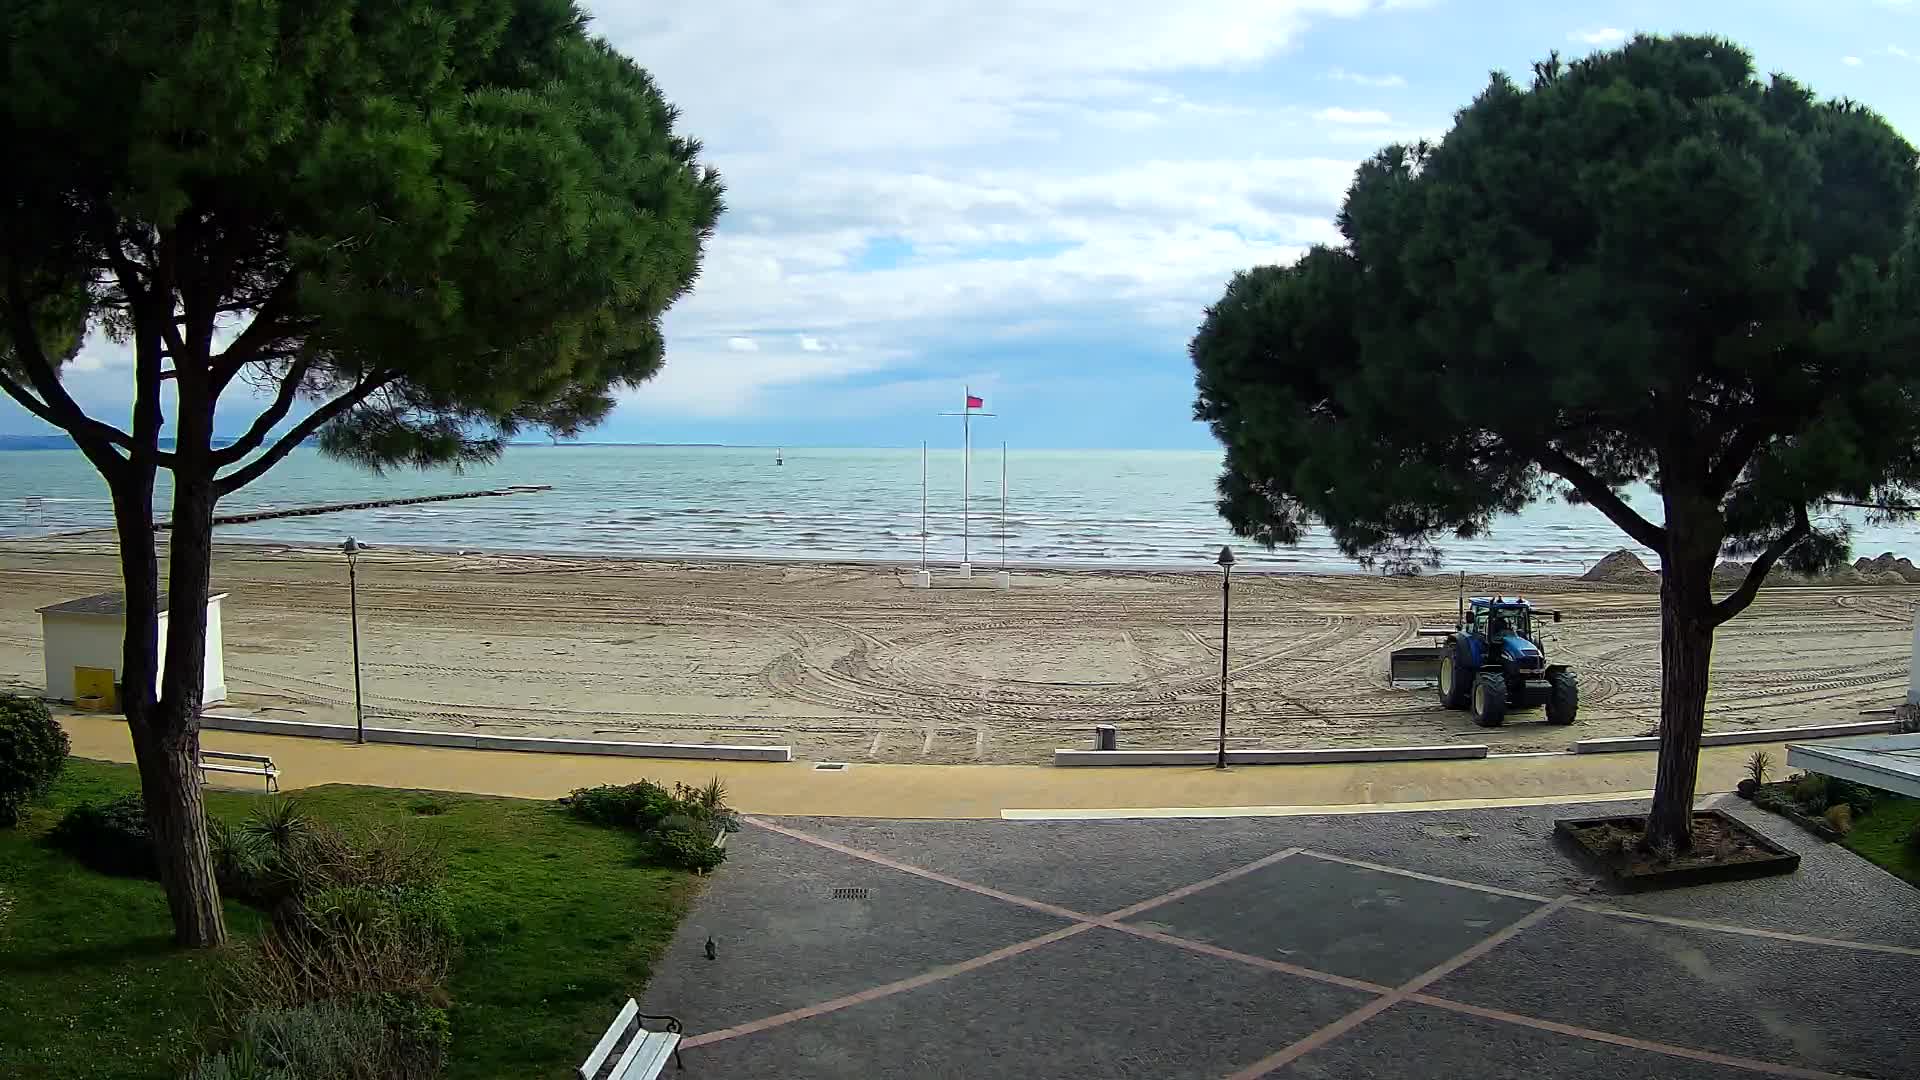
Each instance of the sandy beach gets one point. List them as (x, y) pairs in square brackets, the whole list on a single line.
[(848, 663)]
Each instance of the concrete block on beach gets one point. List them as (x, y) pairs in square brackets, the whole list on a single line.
[(1730, 738), (1318, 756), (462, 740)]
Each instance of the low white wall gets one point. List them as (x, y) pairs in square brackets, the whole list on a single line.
[(1734, 738), (1335, 755), (465, 741)]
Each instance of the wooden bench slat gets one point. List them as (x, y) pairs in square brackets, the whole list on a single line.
[(655, 1048), (232, 756), (250, 770), (607, 1042)]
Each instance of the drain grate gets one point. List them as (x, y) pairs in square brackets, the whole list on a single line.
[(830, 766), (852, 894)]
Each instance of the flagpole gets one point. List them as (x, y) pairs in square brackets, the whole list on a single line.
[(923, 504), (966, 482), (1003, 505)]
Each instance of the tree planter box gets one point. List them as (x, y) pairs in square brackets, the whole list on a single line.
[(1597, 840)]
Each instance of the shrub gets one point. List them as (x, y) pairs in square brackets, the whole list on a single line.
[(1860, 797), (278, 822), (1913, 840), (372, 1037), (1840, 817), (1759, 765), (685, 848), (639, 805), (245, 866), (33, 750), (1810, 791), (112, 838)]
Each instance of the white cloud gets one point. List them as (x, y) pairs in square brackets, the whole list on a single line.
[(1852, 61), (700, 379), (1606, 36), (1343, 75), (742, 344), (1337, 115), (1904, 54), (811, 344)]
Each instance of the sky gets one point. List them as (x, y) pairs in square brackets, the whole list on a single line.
[(1038, 198)]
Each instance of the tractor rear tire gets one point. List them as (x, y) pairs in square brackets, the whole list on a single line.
[(1489, 698), (1454, 678), (1563, 698)]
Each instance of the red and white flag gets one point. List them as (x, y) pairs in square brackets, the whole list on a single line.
[(975, 402)]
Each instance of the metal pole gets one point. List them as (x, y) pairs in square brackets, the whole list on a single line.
[(966, 483), (923, 504), (1003, 505), (1226, 587), (353, 602)]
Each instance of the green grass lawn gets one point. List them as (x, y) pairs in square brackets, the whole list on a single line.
[(1882, 837), (560, 925)]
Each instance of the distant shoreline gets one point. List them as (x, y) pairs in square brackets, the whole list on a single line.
[(981, 569)]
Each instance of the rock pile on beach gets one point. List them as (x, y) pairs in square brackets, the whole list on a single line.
[(1880, 566), (1622, 567)]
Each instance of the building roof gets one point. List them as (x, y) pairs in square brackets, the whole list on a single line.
[(1888, 762), (107, 604)]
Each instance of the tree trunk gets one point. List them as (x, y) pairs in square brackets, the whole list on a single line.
[(1686, 653)]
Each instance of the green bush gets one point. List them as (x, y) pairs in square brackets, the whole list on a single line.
[(685, 848), (1845, 792), (371, 1037), (639, 805), (677, 828), (112, 838), (33, 750), (1810, 791)]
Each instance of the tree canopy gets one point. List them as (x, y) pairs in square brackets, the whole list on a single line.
[(422, 224), (408, 228), (1648, 265)]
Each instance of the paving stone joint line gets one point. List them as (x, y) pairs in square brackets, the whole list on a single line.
[(1387, 996)]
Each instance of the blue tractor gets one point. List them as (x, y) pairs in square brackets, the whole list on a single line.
[(1491, 662)]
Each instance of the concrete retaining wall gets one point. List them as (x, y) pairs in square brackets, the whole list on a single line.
[(1268, 757), (468, 741), (1732, 738)]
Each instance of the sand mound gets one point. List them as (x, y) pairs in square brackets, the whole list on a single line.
[(1622, 567), (1885, 563)]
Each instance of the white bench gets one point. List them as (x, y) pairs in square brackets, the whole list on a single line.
[(646, 1051), (249, 764)]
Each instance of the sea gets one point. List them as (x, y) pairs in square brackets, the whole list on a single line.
[(1068, 508)]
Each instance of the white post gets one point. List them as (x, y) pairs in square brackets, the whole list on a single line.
[(966, 487), (923, 578), (1913, 672), (1004, 579)]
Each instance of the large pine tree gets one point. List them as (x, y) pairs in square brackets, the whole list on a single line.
[(1647, 266), (412, 227)]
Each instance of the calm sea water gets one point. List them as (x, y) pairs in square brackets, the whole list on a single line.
[(1151, 508)]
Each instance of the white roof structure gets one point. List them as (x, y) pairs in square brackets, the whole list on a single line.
[(1888, 762)]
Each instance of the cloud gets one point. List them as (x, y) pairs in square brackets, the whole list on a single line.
[(1852, 61), (1343, 75), (703, 379), (811, 344), (1605, 37), (1338, 115), (743, 344), (1904, 54)]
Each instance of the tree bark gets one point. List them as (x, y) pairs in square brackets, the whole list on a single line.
[(169, 772), (1686, 654)]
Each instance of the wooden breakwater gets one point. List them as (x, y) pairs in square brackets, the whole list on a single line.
[(370, 504)]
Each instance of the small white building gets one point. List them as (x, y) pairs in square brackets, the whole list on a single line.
[(87, 634)]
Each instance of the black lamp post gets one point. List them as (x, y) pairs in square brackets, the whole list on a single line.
[(353, 548), (1226, 586)]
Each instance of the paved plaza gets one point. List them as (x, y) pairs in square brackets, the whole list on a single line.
[(1410, 945)]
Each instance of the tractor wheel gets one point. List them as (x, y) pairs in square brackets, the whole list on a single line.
[(1563, 699), (1454, 679), (1489, 698)]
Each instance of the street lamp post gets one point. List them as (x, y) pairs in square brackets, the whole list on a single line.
[(353, 548), (1226, 585)]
